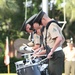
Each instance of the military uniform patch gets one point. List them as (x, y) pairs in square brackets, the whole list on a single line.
[(37, 36), (54, 30)]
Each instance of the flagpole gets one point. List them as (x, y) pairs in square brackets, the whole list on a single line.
[(8, 67), (7, 57)]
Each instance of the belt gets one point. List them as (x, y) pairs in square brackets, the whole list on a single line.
[(70, 59), (58, 49)]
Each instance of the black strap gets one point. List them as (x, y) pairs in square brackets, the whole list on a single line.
[(41, 40), (53, 21), (31, 35), (42, 29), (46, 31)]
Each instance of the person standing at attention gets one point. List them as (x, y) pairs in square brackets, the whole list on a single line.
[(69, 51)]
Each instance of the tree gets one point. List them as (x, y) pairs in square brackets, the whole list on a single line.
[(10, 18), (70, 17), (70, 11)]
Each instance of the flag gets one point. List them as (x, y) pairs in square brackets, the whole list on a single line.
[(6, 57)]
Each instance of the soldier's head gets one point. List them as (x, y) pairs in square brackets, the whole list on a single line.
[(27, 25), (42, 18), (70, 44)]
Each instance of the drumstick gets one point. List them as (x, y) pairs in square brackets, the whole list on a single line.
[(36, 56), (42, 60), (41, 55)]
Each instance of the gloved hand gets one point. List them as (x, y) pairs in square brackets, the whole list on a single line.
[(22, 47), (28, 48), (25, 47)]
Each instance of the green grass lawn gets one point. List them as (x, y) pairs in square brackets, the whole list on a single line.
[(8, 74), (12, 74)]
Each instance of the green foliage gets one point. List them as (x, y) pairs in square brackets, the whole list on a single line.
[(3, 67), (1, 49), (70, 7), (12, 15), (58, 4)]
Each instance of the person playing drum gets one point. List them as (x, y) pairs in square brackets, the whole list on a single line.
[(54, 39), (35, 38)]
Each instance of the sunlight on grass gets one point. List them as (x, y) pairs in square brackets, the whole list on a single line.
[(8, 74), (12, 74)]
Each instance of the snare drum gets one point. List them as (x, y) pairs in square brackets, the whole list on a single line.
[(19, 64), (44, 69), (30, 69)]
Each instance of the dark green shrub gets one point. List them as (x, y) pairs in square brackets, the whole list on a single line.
[(3, 67)]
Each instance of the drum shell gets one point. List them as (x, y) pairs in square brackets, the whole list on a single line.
[(19, 64), (29, 70)]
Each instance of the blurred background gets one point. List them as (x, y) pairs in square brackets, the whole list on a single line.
[(14, 12)]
